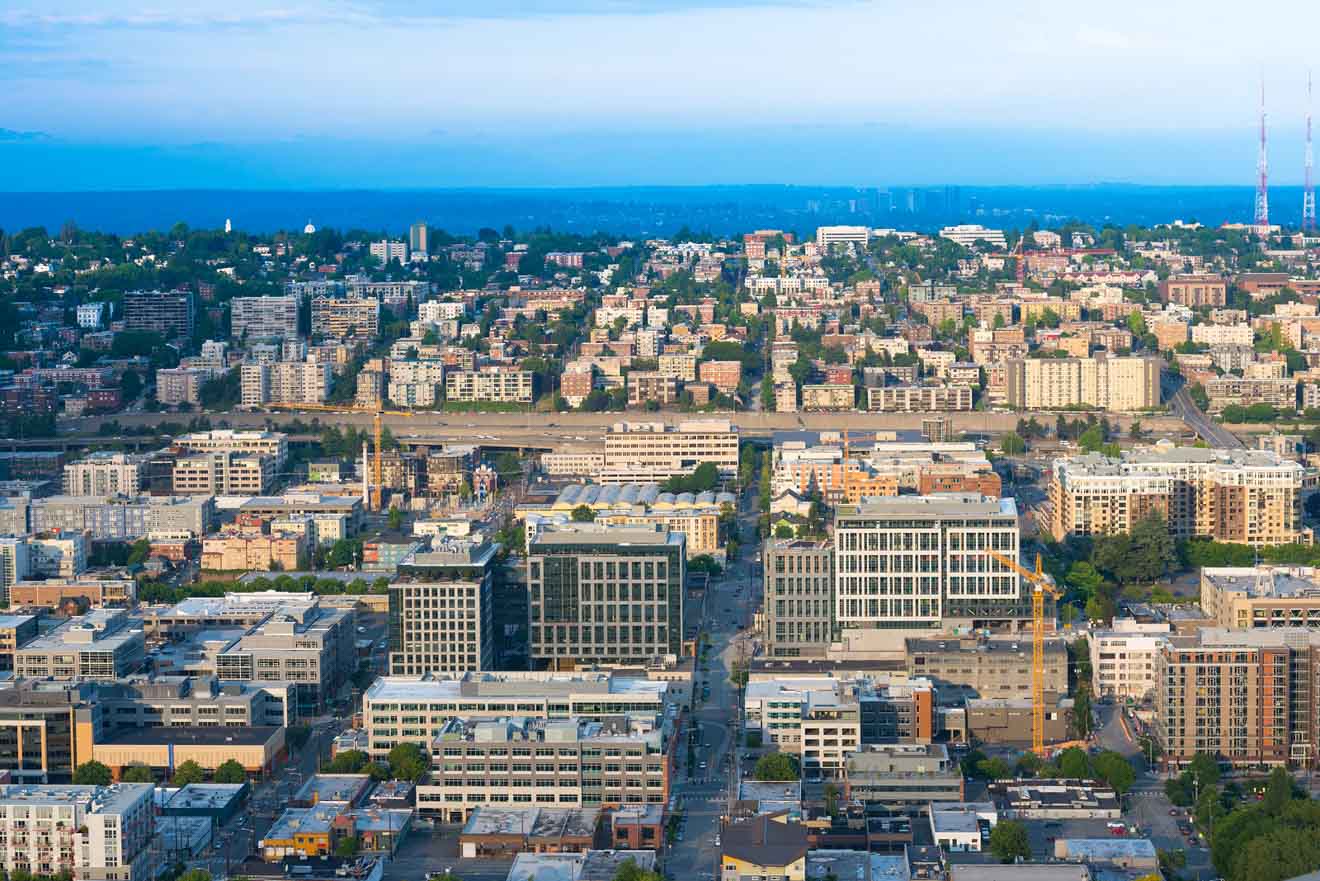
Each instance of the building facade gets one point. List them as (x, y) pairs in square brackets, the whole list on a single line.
[(799, 598)]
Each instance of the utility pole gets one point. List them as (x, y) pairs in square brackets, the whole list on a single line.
[(1262, 214)]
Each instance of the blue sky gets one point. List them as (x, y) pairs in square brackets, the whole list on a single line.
[(343, 93)]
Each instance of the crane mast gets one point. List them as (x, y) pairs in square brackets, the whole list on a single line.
[(1041, 585)]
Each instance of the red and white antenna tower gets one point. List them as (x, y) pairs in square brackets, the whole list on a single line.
[(1262, 217), (1308, 188)]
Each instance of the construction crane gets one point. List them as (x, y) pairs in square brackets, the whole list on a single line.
[(378, 430), (1041, 585)]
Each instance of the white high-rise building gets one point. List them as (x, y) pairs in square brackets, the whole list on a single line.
[(99, 833), (385, 251), (264, 318), (104, 473)]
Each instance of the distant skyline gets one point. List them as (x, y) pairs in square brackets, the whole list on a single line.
[(383, 93)]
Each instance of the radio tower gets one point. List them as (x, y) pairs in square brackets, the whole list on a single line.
[(1262, 170), (1308, 188)]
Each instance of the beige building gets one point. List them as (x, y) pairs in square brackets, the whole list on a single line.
[(1247, 496), (1223, 334), (1194, 290), (1122, 384), (268, 443), (997, 668), (1264, 595), (181, 385), (341, 318), (681, 367), (652, 385), (1229, 390), (105, 474), (918, 398), (494, 384), (828, 397), (261, 553), (285, 382), (223, 474), (1123, 659), (657, 449)]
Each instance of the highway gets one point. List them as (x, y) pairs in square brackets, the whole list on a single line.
[(1181, 403)]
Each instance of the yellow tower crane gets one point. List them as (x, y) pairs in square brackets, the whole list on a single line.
[(378, 430), (1041, 585)]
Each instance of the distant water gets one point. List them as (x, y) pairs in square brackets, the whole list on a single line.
[(635, 211)]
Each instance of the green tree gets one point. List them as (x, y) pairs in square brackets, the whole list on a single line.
[(1114, 769), (188, 772), (395, 519), (776, 766), (137, 774), (1204, 769), (783, 530), (350, 761), (1012, 444), (407, 762), (347, 847), (1009, 840), (195, 875), (1278, 792), (1084, 579), (1092, 439), (1074, 763), (92, 773), (1082, 711), (231, 771), (583, 514), (630, 871), (993, 769)]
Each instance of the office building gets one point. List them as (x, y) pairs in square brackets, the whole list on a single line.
[(1245, 496), (989, 668), (311, 648), (56, 554), (267, 443), (168, 313), (223, 474), (492, 384), (900, 774), (1194, 291), (831, 235), (1123, 659), (799, 597), (285, 382), (105, 473), (1123, 384), (444, 623), (345, 318), (654, 450), (47, 729), (415, 710), (1264, 595), (164, 748), (616, 761), (605, 594), (104, 645), (253, 319), (968, 234), (919, 562), (100, 833)]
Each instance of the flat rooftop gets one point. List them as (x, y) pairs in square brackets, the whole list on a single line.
[(486, 685), (591, 533), (302, 821), (97, 799), (195, 735), (332, 788), (1019, 872), (1109, 850), (204, 796), (931, 507), (1281, 582), (534, 822)]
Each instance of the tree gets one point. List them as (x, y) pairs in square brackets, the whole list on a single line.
[(1009, 841), (407, 762), (783, 530), (583, 514), (1204, 769), (395, 519), (188, 772), (630, 871), (1074, 763), (92, 773), (350, 761), (347, 847), (195, 875), (776, 766), (1012, 444), (231, 771), (1114, 769), (993, 769), (1082, 711), (1092, 439), (137, 774), (1278, 792)]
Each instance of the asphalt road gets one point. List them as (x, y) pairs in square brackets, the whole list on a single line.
[(1182, 405), (707, 792)]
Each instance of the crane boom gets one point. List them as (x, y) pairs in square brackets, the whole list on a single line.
[(1041, 584), (378, 432)]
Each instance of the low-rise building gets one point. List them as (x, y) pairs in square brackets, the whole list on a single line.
[(104, 644), (959, 826), (764, 847), (998, 667), (1123, 658), (1055, 800), (903, 774)]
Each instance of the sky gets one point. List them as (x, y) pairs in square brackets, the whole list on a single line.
[(386, 93)]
